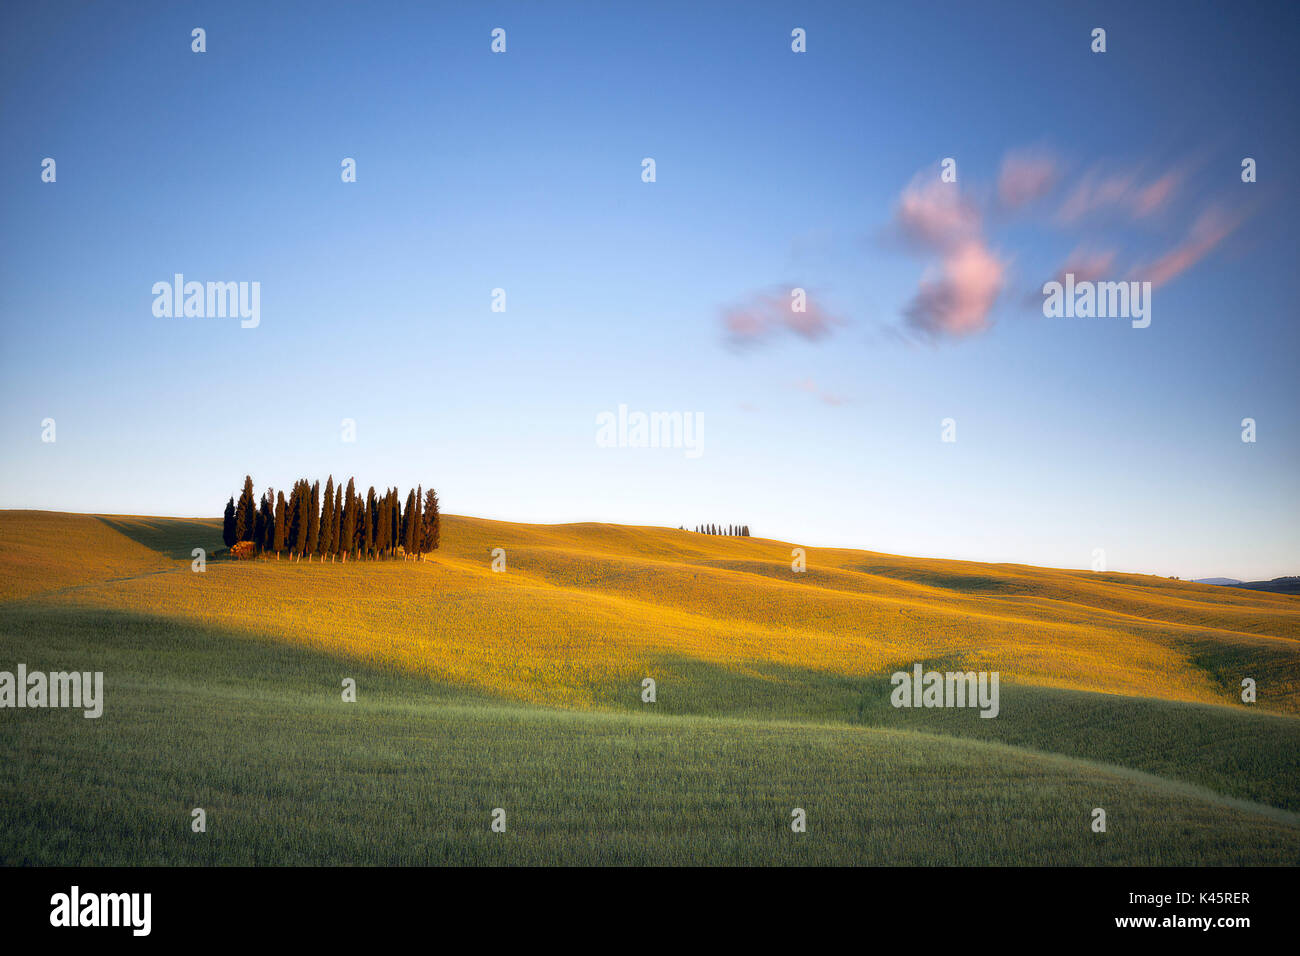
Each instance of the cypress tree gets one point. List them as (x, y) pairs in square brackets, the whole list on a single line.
[(292, 515), (348, 532), (326, 519), (246, 512), (408, 523), (263, 522), (279, 525), (313, 521), (370, 519), (417, 522), (432, 521), (267, 541), (336, 513), (291, 530), (228, 524), (359, 544), (302, 520), (394, 520)]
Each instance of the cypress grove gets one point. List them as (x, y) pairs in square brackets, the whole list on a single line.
[(342, 522)]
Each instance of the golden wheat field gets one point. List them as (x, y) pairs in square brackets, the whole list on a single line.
[(579, 605), (1118, 684)]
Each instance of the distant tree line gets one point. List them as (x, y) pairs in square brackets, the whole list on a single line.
[(734, 530), (342, 523)]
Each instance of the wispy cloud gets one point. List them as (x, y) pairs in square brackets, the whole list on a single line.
[(966, 273), (766, 314), (1026, 176), (934, 214), (1087, 265), (958, 300), (955, 299), (1123, 193), (812, 388), (1210, 229)]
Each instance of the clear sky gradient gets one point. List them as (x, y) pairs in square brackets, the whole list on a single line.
[(775, 169)]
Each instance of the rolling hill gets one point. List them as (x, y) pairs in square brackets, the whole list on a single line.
[(522, 690)]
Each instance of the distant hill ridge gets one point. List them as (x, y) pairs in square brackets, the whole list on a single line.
[(1284, 585)]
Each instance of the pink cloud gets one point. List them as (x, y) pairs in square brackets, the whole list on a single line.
[(1087, 265), (935, 213), (811, 387), (767, 313), (1093, 193), (1119, 192), (958, 302), (1211, 228), (1155, 196), (1026, 177)]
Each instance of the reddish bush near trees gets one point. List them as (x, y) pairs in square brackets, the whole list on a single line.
[(243, 550)]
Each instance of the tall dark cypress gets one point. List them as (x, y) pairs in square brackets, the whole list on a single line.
[(335, 535), (246, 512), (313, 521), (370, 517), (291, 530), (278, 544), (326, 519), (304, 519), (267, 539), (263, 521), (359, 539), (408, 523), (348, 530), (228, 524), (417, 522), (395, 520), (432, 521)]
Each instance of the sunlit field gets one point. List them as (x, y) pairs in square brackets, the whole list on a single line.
[(522, 690)]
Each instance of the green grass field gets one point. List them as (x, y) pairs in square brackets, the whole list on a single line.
[(521, 690)]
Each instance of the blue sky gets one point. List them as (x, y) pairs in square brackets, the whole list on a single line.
[(522, 171)]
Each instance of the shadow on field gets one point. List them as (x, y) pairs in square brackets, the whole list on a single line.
[(964, 583), (1252, 755), (175, 537), (201, 662), (254, 730), (1237, 752)]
